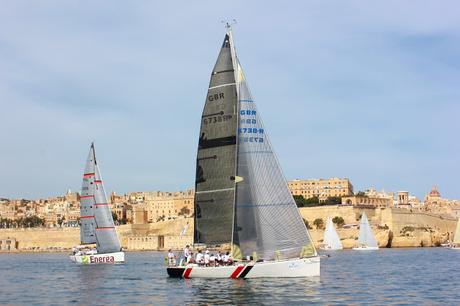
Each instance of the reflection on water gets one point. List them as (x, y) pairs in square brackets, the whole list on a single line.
[(389, 276)]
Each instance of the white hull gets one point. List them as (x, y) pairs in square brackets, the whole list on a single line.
[(366, 248), (329, 248), (455, 248), (107, 258), (304, 267)]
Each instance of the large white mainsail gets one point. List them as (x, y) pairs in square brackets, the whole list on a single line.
[(331, 239), (96, 217), (366, 238)]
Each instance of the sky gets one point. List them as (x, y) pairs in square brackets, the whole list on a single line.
[(364, 90)]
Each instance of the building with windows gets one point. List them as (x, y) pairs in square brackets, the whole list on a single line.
[(321, 188)]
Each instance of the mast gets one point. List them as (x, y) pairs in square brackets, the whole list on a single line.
[(236, 74)]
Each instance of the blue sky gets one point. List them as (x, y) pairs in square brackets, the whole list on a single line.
[(368, 91)]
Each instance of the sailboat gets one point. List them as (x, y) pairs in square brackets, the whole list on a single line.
[(456, 242), (331, 239), (241, 196), (366, 239), (97, 225)]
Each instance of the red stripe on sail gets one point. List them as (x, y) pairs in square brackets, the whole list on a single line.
[(101, 204), (88, 174), (86, 196), (105, 228), (237, 271), (98, 181), (187, 272), (86, 217)]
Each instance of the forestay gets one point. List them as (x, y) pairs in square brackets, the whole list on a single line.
[(267, 222)]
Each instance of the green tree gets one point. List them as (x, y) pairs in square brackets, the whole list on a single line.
[(319, 223), (184, 211), (360, 194), (333, 200), (302, 202), (339, 221), (307, 224), (59, 221)]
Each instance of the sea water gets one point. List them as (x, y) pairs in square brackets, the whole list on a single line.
[(421, 276)]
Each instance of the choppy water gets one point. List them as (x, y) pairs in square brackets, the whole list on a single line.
[(425, 276)]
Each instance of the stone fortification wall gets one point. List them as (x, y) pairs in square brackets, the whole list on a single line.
[(52, 239), (397, 219), (323, 212)]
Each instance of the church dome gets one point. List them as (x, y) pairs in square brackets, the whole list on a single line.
[(434, 192)]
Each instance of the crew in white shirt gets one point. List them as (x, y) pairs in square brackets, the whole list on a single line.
[(212, 260), (199, 258), (187, 251), (171, 258), (206, 258)]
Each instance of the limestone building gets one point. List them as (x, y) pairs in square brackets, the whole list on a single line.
[(321, 188)]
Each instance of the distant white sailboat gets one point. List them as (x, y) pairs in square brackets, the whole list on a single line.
[(97, 225), (331, 239), (366, 239), (456, 242)]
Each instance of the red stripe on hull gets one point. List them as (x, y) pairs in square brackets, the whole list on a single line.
[(105, 228), (86, 217), (237, 271), (88, 174), (86, 196), (187, 272), (98, 181)]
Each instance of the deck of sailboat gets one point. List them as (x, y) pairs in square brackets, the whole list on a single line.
[(301, 267)]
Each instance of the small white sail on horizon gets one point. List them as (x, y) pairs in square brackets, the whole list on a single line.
[(331, 239), (366, 239), (456, 241)]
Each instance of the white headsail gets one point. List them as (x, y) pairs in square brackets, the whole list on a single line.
[(457, 233), (331, 238), (366, 237)]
